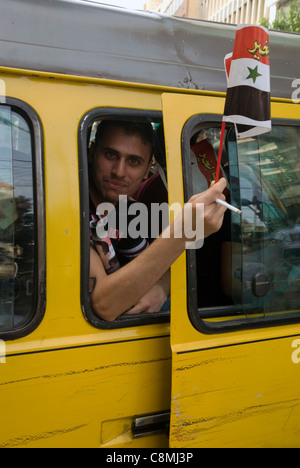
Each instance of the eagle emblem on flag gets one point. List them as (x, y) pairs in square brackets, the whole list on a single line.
[(258, 52)]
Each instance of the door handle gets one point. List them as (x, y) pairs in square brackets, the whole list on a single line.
[(148, 425), (261, 285)]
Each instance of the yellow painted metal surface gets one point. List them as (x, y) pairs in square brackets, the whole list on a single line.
[(235, 389), (68, 384), (237, 396), (69, 397)]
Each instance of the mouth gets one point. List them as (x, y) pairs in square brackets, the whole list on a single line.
[(115, 185)]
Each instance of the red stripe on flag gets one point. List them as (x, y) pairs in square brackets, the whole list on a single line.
[(252, 42), (228, 62)]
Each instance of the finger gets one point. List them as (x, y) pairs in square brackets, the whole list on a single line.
[(215, 211), (221, 185), (221, 197), (137, 309), (214, 192)]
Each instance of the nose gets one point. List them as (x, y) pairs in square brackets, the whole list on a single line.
[(119, 168)]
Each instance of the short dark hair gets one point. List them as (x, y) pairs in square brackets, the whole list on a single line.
[(143, 129)]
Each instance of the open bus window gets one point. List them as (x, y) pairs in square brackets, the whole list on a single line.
[(18, 262), (248, 273), (149, 191)]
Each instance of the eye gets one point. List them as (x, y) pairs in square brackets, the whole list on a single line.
[(111, 155), (134, 161)]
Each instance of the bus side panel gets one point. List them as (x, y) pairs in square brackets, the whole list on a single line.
[(69, 384), (85, 397), (239, 396), (237, 388)]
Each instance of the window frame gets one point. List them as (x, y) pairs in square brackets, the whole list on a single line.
[(198, 316), (37, 141), (105, 113)]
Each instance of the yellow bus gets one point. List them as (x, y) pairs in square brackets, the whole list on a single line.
[(222, 368)]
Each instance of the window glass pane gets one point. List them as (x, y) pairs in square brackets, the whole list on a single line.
[(250, 270), (7, 218), (17, 230), (129, 233), (270, 231), (204, 143)]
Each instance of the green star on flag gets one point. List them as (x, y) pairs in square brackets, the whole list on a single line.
[(254, 74)]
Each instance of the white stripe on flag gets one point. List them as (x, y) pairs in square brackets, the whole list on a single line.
[(249, 72), (259, 128), (239, 119), (228, 60)]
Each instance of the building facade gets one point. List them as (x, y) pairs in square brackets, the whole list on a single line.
[(235, 11), (224, 11), (183, 8)]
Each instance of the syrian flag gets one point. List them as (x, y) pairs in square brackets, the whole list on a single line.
[(248, 103)]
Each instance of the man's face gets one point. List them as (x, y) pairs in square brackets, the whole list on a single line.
[(120, 162)]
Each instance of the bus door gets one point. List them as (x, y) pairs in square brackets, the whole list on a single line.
[(235, 312)]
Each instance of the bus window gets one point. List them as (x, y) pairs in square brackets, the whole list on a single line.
[(270, 230), (18, 235), (249, 273), (111, 245)]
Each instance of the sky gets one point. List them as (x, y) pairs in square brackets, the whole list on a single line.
[(133, 4)]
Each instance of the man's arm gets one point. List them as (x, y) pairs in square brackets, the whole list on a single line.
[(153, 299), (119, 292)]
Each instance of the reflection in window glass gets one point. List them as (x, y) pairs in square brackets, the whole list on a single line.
[(269, 168), (17, 230), (250, 270)]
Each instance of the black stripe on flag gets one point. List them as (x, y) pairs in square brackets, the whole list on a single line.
[(244, 128), (248, 102)]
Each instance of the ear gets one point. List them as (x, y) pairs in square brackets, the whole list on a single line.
[(151, 164)]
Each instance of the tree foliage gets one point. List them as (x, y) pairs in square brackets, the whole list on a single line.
[(286, 20)]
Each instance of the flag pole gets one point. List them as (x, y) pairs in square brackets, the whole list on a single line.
[(220, 151), (221, 202)]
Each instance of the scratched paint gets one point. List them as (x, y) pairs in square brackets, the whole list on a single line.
[(246, 396)]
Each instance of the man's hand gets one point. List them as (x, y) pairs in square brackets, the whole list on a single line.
[(214, 213), (152, 302), (155, 298), (193, 223)]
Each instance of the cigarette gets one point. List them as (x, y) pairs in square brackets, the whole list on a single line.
[(229, 207)]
